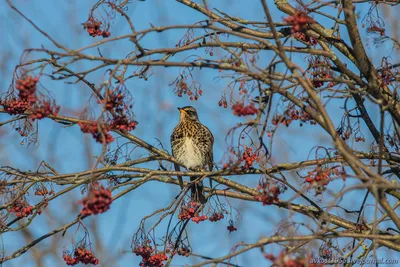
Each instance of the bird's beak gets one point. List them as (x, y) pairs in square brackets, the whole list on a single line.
[(180, 110)]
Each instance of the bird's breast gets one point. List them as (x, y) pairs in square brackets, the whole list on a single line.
[(189, 154)]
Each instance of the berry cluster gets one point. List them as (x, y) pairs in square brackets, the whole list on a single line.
[(43, 110), (386, 77), (113, 99), (344, 134), (231, 228), (291, 115), (15, 106), (21, 208), (249, 157), (319, 175), (27, 100), (319, 69), (144, 251), (149, 260), (374, 28), (270, 192), (184, 252), (359, 139), (42, 191), (189, 212), (27, 89), (155, 260), (69, 260), (298, 20), (99, 132), (181, 88), (216, 216), (223, 102), (92, 26), (122, 123), (239, 109), (388, 72), (98, 201), (44, 204), (82, 255), (200, 218), (306, 39), (361, 227)]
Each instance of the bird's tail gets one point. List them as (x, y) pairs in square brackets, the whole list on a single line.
[(197, 191)]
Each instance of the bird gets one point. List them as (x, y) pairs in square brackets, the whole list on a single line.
[(192, 146)]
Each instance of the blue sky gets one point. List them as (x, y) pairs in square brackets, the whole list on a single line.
[(69, 150)]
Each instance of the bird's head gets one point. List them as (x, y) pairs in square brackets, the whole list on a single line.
[(188, 113)]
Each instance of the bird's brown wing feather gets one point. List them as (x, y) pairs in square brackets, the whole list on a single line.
[(174, 138)]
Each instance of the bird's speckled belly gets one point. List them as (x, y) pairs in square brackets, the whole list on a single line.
[(190, 155)]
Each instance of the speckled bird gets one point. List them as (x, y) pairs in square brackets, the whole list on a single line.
[(192, 145)]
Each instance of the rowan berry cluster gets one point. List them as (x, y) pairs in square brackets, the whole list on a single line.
[(182, 251), (387, 73), (27, 100), (319, 175), (21, 208), (27, 89), (285, 259), (231, 228), (249, 158), (344, 134), (69, 260), (359, 139), (149, 257), (43, 110), (189, 211), (305, 38), (386, 77), (43, 191), (291, 115), (121, 119), (298, 20), (98, 200), (270, 192), (199, 218), (322, 175), (239, 109), (155, 260), (44, 204), (80, 254), (15, 106), (99, 132), (223, 102), (361, 227), (319, 69), (181, 88), (92, 26), (216, 216), (375, 28), (113, 100), (392, 140), (122, 123)]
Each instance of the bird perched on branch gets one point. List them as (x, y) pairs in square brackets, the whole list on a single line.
[(192, 145)]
